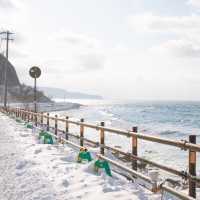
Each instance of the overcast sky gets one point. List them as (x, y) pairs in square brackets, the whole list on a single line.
[(122, 49)]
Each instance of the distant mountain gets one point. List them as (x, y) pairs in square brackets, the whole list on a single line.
[(61, 93)]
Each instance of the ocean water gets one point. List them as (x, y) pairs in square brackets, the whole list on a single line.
[(172, 120)]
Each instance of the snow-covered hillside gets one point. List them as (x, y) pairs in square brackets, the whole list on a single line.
[(33, 171)]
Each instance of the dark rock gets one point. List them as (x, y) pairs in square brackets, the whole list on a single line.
[(11, 73), (17, 92)]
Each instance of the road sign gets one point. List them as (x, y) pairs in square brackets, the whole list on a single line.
[(35, 72)]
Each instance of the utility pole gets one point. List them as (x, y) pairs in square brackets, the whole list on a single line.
[(7, 38)]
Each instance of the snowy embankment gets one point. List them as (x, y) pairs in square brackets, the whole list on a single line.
[(47, 107), (33, 171)]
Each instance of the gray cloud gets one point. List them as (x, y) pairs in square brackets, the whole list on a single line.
[(74, 39), (16, 53), (179, 48), (82, 53), (6, 4), (78, 64), (194, 3), (91, 62), (184, 48), (171, 24), (19, 38), (185, 31)]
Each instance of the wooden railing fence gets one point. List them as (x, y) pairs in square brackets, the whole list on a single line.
[(190, 145)]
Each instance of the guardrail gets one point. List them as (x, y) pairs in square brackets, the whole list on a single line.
[(190, 146)]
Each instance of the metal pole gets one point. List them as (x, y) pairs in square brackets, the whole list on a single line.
[(5, 71), (35, 96)]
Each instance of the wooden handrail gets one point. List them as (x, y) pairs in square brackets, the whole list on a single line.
[(180, 144), (131, 171), (162, 167), (176, 193)]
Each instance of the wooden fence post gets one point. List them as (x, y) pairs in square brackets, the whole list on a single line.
[(81, 133), (102, 138), (22, 114), (41, 118), (66, 128), (192, 167), (25, 115), (47, 121), (134, 148), (56, 124), (32, 116), (28, 115), (24, 111), (35, 119)]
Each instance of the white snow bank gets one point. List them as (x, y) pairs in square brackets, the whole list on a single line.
[(33, 171)]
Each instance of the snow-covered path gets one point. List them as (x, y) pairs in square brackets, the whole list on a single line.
[(33, 171), (18, 178)]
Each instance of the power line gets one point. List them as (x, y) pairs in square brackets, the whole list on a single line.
[(7, 38)]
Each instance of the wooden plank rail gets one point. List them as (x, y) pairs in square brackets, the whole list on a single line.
[(190, 145), (175, 193), (78, 137), (133, 172), (162, 167), (180, 144)]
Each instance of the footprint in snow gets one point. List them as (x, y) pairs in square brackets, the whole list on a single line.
[(65, 183), (21, 164), (38, 151), (24, 134)]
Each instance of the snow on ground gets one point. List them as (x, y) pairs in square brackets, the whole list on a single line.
[(33, 171)]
